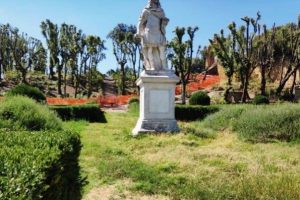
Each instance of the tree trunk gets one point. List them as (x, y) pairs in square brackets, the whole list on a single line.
[(245, 89), (23, 73), (285, 79), (263, 80), (65, 81), (51, 71), (59, 80), (123, 79), (1, 70), (183, 93), (294, 83)]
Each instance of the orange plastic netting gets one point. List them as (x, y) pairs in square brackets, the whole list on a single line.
[(197, 82)]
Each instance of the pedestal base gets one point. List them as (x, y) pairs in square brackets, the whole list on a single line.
[(155, 126), (157, 102)]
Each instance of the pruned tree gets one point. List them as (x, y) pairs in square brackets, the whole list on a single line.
[(287, 48), (25, 51), (265, 54), (51, 33), (182, 56), (119, 36)]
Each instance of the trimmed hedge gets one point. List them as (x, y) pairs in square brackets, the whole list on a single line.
[(39, 165), (192, 113), (29, 91), (89, 112), (200, 98), (260, 99), (23, 113)]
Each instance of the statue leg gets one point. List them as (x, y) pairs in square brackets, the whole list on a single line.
[(145, 57), (163, 57), (151, 58)]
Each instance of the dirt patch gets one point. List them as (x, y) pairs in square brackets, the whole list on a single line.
[(118, 192)]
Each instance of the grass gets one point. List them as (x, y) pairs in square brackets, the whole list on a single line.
[(185, 166)]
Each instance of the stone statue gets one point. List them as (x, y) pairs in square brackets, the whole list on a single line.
[(152, 31)]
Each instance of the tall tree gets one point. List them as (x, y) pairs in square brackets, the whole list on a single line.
[(51, 33), (182, 58), (95, 48), (119, 39), (224, 49), (24, 50), (265, 54), (287, 47), (4, 48)]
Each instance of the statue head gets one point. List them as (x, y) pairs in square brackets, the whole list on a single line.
[(153, 4)]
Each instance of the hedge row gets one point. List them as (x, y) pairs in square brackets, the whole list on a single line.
[(39, 165), (89, 112), (192, 113)]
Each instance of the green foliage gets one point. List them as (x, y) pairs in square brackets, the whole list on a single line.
[(23, 113), (263, 124), (199, 98), (39, 165), (287, 96), (89, 112), (27, 90), (224, 118), (258, 123), (192, 113), (260, 99), (133, 100)]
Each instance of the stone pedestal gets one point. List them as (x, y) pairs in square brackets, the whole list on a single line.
[(157, 102)]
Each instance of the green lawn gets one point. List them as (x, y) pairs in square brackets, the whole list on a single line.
[(181, 166)]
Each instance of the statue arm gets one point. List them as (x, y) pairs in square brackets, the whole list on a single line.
[(141, 23)]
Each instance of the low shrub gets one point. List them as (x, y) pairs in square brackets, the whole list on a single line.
[(27, 90), (40, 165), (192, 113), (199, 98), (89, 112), (268, 123), (134, 108), (287, 96), (258, 123), (23, 113), (260, 99), (133, 100)]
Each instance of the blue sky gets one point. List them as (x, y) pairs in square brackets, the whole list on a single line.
[(98, 17)]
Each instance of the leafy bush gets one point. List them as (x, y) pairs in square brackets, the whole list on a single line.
[(287, 96), (258, 123), (134, 108), (200, 98), (192, 113), (89, 112), (133, 100), (23, 113), (39, 165), (280, 122), (26, 90), (260, 99)]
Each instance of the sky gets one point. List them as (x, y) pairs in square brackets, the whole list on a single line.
[(99, 17)]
